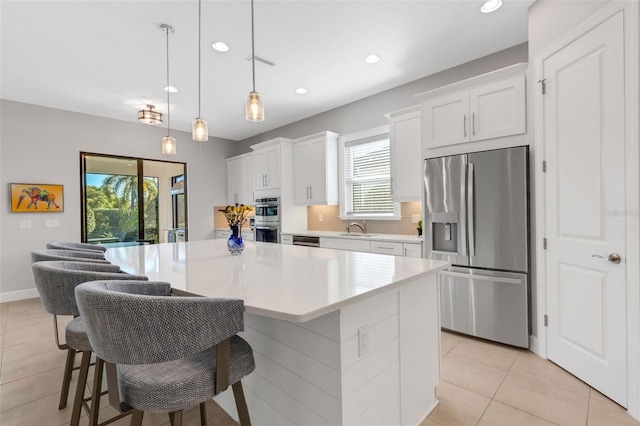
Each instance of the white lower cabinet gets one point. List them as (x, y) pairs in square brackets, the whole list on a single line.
[(344, 244), (286, 239), (412, 250), (386, 247), (395, 248), (223, 233)]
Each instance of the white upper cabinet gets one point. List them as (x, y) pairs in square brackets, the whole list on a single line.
[(498, 109), (406, 158), (266, 167), (446, 120), (240, 179), (490, 106), (316, 169)]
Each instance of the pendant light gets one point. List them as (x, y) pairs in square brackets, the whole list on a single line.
[(254, 107), (168, 142), (199, 127)]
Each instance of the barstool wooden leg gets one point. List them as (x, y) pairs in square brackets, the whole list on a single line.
[(96, 393), (241, 404), (82, 382), (136, 418), (66, 379), (203, 414)]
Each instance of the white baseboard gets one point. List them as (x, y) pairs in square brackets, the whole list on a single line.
[(11, 296)]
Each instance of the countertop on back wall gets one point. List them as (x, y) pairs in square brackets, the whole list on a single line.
[(402, 238)]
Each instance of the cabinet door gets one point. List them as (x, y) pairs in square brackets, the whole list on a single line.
[(247, 190), (412, 250), (273, 168), (259, 169), (446, 120), (386, 247), (235, 180), (317, 177), (345, 244), (498, 109), (301, 172), (406, 158)]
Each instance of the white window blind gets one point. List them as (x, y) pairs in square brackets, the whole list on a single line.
[(368, 177)]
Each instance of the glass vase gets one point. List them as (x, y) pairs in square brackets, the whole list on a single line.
[(235, 243)]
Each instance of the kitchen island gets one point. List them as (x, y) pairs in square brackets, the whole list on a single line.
[(338, 337)]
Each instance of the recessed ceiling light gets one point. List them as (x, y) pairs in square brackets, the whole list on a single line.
[(301, 90), (220, 46), (491, 6), (372, 59), (170, 89)]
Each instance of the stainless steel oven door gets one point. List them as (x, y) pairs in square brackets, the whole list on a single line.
[(268, 234), (267, 213)]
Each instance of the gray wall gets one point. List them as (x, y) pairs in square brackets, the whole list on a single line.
[(551, 19), (42, 145), (369, 112)]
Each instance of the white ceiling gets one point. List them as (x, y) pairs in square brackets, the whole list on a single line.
[(108, 58)]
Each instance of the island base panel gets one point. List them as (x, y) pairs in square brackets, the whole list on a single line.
[(315, 372)]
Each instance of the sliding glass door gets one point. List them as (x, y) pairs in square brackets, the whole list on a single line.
[(126, 199)]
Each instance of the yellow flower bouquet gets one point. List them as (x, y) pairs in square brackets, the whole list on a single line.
[(236, 215)]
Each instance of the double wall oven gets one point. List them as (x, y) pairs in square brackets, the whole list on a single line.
[(267, 219)]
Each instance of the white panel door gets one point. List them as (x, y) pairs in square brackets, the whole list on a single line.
[(273, 168), (584, 149), (235, 179), (446, 120), (498, 109)]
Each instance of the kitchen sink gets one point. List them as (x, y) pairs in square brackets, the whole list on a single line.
[(357, 235)]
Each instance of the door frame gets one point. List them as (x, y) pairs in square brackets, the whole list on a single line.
[(140, 172), (631, 13)]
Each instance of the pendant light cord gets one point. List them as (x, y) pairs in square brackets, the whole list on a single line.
[(253, 53), (199, 53), (168, 89)]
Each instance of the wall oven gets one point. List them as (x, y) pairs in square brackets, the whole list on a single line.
[(268, 233), (267, 210), (267, 220)]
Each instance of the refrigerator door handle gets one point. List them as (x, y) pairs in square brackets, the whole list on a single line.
[(463, 210), (470, 212), (482, 277)]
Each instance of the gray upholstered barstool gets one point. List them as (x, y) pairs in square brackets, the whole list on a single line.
[(68, 255), (66, 245), (56, 282), (166, 354)]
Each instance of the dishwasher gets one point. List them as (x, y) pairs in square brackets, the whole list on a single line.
[(304, 240)]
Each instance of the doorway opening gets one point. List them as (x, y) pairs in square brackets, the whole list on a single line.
[(127, 200)]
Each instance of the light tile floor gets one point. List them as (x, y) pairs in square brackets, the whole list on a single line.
[(483, 383)]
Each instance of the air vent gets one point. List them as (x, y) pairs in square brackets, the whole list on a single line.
[(263, 60)]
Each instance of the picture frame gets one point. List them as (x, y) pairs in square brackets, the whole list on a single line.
[(36, 198)]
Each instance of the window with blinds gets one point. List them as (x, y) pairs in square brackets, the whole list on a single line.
[(368, 177)]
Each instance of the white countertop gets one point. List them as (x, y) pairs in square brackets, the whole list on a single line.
[(402, 238), (291, 283)]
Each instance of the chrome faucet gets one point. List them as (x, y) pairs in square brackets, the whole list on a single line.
[(362, 227)]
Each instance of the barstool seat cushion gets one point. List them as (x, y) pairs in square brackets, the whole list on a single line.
[(76, 335), (180, 384)]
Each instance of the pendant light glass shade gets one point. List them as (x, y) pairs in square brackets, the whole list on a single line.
[(168, 145), (199, 130), (255, 107), (168, 142), (149, 116), (199, 127)]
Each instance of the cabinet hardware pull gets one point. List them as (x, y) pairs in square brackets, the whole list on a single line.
[(473, 123), (464, 125), (311, 192)]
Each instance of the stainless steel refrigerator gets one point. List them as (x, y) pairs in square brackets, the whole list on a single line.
[(476, 215)]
